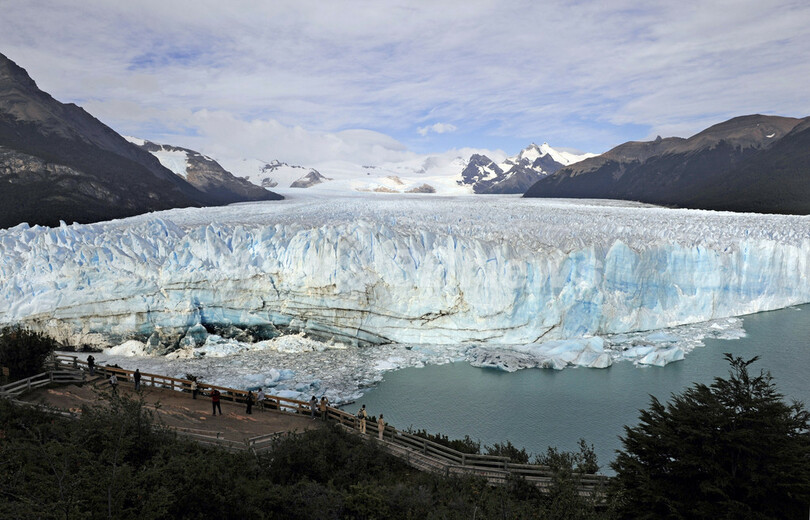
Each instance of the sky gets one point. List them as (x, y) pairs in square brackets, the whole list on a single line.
[(373, 81)]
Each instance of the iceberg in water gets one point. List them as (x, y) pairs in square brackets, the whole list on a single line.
[(550, 279)]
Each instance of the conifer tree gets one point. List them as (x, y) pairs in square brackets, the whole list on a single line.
[(734, 449)]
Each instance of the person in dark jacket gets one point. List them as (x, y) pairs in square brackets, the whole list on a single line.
[(362, 415), (215, 404), (249, 402), (137, 378)]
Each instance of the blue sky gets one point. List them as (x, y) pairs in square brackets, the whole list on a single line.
[(381, 80)]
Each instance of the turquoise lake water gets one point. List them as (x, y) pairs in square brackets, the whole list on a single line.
[(538, 408)]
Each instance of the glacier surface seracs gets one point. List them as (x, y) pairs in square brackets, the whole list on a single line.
[(526, 275)]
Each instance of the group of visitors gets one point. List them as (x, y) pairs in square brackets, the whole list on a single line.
[(136, 377), (316, 406), (113, 379), (362, 417), (319, 407)]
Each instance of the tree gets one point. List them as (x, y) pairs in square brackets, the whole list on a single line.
[(565, 499), (23, 351), (509, 450), (734, 449)]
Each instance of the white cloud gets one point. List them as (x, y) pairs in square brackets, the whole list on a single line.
[(438, 128), (571, 73), (221, 134)]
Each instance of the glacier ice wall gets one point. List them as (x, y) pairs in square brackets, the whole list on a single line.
[(495, 270)]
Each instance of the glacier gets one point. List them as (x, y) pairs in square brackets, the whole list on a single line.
[(515, 282)]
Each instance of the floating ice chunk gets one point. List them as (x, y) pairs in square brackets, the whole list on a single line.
[(295, 343), (291, 394), (638, 351), (591, 359), (661, 337), (254, 381), (555, 364), (129, 348), (660, 358), (184, 352), (391, 363), (217, 346)]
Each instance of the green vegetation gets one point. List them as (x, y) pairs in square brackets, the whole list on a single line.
[(113, 463), (465, 445), (24, 352), (730, 450)]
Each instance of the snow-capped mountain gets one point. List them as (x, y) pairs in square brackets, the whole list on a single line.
[(443, 174), (422, 174), (310, 179), (516, 174), (274, 173), (204, 173)]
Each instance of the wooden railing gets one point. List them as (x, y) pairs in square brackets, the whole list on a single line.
[(272, 402), (38, 381), (417, 451)]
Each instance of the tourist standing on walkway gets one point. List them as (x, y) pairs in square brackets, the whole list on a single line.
[(313, 406), (324, 404), (91, 364), (362, 415), (194, 389), (215, 405), (249, 402), (380, 427), (137, 378), (114, 383), (260, 398)]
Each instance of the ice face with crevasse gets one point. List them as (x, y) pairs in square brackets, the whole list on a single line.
[(498, 281)]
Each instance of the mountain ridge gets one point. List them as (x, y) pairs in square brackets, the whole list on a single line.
[(204, 173), (518, 173), (687, 172), (59, 163)]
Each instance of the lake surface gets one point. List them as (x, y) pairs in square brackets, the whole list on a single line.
[(537, 408)]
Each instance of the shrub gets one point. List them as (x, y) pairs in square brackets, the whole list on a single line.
[(465, 445), (24, 352), (509, 450)]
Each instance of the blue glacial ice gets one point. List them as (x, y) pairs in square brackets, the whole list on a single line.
[(519, 282)]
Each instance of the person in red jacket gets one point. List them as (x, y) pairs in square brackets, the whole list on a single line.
[(215, 401)]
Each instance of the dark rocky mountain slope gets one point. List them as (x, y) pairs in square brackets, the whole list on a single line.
[(208, 176), (57, 162), (748, 163)]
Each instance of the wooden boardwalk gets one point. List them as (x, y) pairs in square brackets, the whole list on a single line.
[(257, 432)]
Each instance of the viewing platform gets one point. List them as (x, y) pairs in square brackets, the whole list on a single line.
[(69, 387)]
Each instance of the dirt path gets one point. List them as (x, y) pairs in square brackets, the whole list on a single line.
[(178, 409)]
